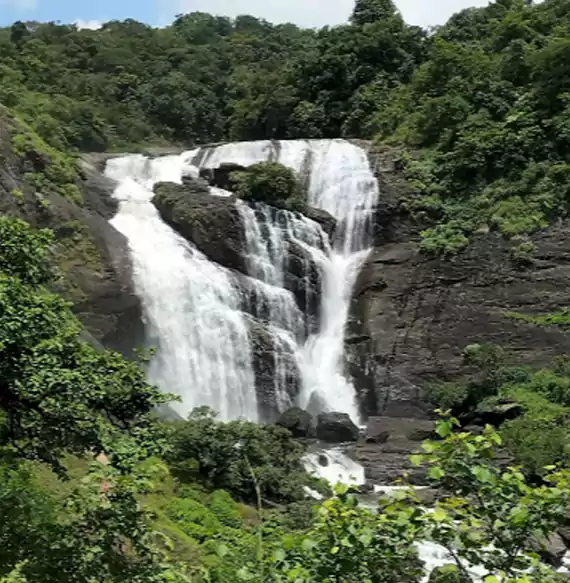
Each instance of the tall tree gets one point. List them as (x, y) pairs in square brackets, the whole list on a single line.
[(371, 11)]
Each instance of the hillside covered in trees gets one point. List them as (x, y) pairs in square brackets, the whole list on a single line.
[(479, 105)]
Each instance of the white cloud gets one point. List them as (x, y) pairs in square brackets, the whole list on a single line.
[(88, 24), (429, 13), (20, 5), (322, 12)]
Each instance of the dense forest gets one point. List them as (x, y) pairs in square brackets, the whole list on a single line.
[(479, 105), (94, 487)]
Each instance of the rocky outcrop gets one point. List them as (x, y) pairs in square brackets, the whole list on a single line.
[(304, 280), (336, 428), (277, 375), (298, 422), (386, 459), (215, 226), (551, 550), (91, 255), (412, 316), (221, 177), (212, 223), (325, 219)]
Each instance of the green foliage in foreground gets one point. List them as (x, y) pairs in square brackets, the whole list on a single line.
[(57, 393), (270, 183), (238, 456), (539, 436), (125, 519)]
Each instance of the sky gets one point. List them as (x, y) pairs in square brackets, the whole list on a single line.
[(310, 13)]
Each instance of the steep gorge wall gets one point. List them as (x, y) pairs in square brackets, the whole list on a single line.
[(92, 257), (412, 316)]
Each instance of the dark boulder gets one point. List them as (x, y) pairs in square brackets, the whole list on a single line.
[(220, 177), (300, 424), (497, 413), (212, 223), (324, 461), (377, 437), (336, 428), (551, 550), (422, 433)]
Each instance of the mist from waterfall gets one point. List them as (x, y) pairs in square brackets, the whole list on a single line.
[(191, 305)]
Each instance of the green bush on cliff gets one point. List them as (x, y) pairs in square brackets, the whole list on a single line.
[(267, 182), (49, 170)]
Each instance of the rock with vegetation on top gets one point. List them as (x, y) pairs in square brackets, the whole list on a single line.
[(212, 223), (221, 177), (90, 254), (336, 428)]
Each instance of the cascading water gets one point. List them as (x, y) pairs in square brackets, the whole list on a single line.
[(193, 306), (190, 304), (340, 182)]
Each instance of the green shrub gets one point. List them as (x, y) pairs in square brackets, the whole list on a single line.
[(445, 239), (447, 396), (267, 182), (194, 518), (515, 216), (561, 319), (522, 255), (57, 172), (225, 508), (221, 455)]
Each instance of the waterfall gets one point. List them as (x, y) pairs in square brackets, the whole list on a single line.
[(206, 346), (191, 305), (341, 182)]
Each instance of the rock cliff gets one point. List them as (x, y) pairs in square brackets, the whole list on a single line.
[(412, 316), (92, 257)]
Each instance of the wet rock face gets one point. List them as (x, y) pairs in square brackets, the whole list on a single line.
[(276, 389), (215, 226), (304, 280), (211, 223), (299, 423), (412, 316), (387, 447)]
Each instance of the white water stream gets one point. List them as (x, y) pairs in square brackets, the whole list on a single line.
[(190, 304), (341, 182)]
